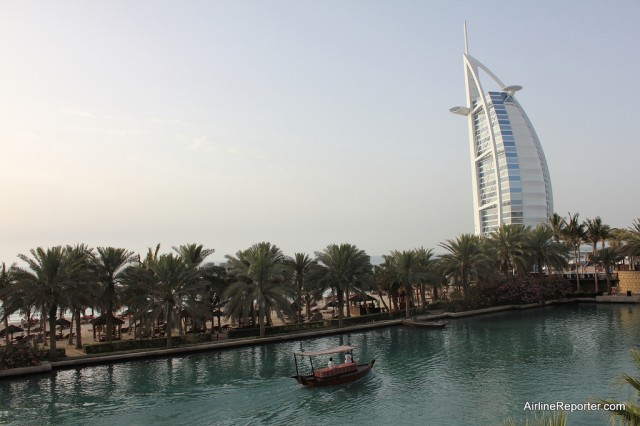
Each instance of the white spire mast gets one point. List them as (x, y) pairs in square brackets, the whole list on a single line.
[(466, 42)]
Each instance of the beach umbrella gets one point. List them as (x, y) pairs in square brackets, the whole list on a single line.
[(102, 320), (359, 298), (11, 329), (218, 313), (63, 322)]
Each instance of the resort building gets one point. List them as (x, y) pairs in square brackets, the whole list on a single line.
[(510, 177)]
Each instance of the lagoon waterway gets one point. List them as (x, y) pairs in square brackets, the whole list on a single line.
[(478, 371)]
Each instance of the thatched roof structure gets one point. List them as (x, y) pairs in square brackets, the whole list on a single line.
[(102, 320)]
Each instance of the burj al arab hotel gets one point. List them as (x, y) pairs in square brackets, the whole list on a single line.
[(511, 183)]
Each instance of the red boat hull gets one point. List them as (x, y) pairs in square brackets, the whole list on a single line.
[(340, 379)]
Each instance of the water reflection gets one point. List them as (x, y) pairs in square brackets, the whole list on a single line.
[(476, 371)]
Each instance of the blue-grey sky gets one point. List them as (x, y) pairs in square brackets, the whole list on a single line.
[(302, 123)]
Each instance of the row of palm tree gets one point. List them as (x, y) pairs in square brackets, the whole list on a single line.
[(256, 283), (511, 250), (616, 244)]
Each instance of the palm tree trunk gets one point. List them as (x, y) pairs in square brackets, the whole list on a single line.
[(299, 302), (28, 314), (464, 282), (407, 298), (595, 270), (340, 307), (435, 292), (181, 324), (575, 254), (71, 327), (78, 330), (347, 302), (109, 313), (383, 302), (261, 315), (307, 303), (43, 323), (168, 324), (540, 275), (6, 324), (53, 354)]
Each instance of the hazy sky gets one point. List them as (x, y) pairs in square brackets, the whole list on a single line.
[(302, 123)]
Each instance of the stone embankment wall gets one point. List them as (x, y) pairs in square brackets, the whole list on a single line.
[(629, 280)]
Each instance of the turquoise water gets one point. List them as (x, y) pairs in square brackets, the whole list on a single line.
[(477, 371)]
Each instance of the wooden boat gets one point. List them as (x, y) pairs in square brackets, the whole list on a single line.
[(424, 324), (330, 376)]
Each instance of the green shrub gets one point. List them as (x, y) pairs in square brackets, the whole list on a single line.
[(156, 343), (241, 333), (43, 354), (435, 306), (362, 319), (21, 354), (273, 330)]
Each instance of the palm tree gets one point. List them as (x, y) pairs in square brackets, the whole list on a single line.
[(545, 250), (631, 245), (596, 231), (385, 281), (627, 412), (507, 246), (48, 273), (82, 287), (557, 222), (300, 265), (260, 279), (7, 286), (407, 267), (110, 265), (215, 281), (193, 254), (573, 234), (21, 298), (165, 286), (428, 274), (343, 265), (464, 261), (607, 257)]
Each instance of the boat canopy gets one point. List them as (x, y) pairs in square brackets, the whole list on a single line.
[(336, 350)]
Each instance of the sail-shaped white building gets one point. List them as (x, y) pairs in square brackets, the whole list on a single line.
[(511, 183)]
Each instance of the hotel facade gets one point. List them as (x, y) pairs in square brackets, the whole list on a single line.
[(510, 177)]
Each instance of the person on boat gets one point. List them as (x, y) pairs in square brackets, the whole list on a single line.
[(330, 365), (348, 358)]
